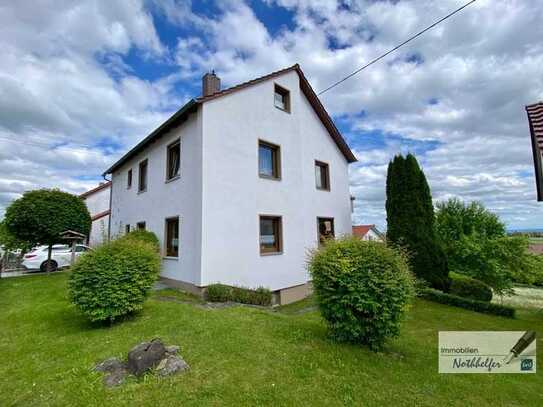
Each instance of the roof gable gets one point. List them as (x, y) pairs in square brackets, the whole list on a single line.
[(362, 230), (103, 185), (193, 104), (311, 96)]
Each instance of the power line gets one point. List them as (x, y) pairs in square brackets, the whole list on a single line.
[(397, 46), (77, 148)]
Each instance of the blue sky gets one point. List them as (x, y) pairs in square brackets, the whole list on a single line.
[(88, 80)]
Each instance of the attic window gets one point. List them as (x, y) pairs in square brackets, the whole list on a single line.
[(282, 98)]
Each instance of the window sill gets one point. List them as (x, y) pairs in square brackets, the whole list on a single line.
[(142, 191), (170, 258), (323, 189), (271, 253), (283, 110), (268, 177), (172, 179)]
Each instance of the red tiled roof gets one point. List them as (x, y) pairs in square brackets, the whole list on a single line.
[(362, 230), (244, 85), (535, 119), (98, 188)]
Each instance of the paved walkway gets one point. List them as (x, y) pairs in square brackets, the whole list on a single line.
[(19, 273)]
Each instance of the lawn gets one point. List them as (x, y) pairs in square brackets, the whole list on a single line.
[(239, 356)]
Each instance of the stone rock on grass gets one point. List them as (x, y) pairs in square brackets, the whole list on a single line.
[(116, 377), (170, 365), (145, 356), (172, 349), (110, 365), (115, 369)]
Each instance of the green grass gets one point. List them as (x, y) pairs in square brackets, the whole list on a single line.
[(239, 356)]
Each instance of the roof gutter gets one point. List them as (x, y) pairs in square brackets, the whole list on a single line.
[(163, 128)]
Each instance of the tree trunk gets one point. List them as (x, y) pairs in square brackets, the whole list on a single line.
[(49, 252)]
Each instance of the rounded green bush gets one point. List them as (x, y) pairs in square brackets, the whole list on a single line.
[(143, 235), (468, 287), (114, 279), (362, 288)]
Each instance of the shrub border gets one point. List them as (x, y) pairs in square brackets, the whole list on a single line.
[(225, 293), (473, 305)]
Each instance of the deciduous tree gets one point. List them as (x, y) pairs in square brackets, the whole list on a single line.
[(40, 216)]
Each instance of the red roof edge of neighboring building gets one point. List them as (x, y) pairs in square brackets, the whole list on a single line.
[(94, 190), (362, 230)]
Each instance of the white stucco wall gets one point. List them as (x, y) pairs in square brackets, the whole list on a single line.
[(371, 235), (98, 202), (99, 230), (161, 200), (234, 195)]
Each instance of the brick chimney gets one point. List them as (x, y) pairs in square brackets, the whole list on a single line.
[(210, 84)]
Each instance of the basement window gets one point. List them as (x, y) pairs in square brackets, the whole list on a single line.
[(269, 161), (282, 98), (127, 229), (142, 180), (326, 229), (173, 160), (140, 225), (322, 176), (271, 240), (172, 237)]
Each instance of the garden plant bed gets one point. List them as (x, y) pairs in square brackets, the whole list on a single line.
[(239, 355)]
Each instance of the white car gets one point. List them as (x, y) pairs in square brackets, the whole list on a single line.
[(61, 256)]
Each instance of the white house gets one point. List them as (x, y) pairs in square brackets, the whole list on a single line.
[(97, 201), (238, 185), (368, 232)]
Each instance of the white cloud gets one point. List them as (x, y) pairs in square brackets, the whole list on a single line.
[(458, 104), (478, 73), (57, 101)]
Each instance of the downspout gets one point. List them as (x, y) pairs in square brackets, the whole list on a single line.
[(110, 194)]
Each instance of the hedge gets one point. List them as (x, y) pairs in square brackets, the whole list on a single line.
[(478, 306), (468, 287), (224, 293)]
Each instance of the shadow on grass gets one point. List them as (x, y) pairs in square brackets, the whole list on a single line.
[(68, 320)]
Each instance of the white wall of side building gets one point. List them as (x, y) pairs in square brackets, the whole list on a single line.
[(180, 197), (371, 235), (98, 203), (234, 195)]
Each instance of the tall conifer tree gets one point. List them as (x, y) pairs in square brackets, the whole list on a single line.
[(410, 218)]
